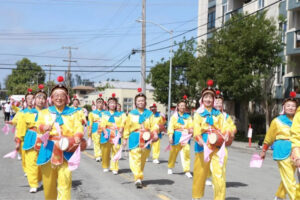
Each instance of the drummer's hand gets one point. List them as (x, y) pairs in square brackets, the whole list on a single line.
[(17, 146), (77, 140), (124, 142), (297, 163), (155, 138), (121, 130), (47, 128), (191, 131), (171, 140), (262, 154)]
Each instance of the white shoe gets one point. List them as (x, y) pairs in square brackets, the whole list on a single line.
[(33, 190), (25, 175), (170, 171), (138, 183), (105, 170), (98, 159), (19, 157), (115, 172), (156, 161), (147, 160), (277, 198), (208, 182), (188, 174)]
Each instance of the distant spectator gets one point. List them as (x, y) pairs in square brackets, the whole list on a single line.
[(7, 110)]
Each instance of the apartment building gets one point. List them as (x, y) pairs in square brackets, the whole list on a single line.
[(213, 14)]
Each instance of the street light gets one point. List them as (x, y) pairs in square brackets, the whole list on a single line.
[(170, 68)]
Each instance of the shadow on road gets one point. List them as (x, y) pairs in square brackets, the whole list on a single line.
[(232, 198), (158, 182), (124, 171), (235, 184), (76, 183)]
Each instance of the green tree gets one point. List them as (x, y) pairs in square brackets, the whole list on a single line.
[(242, 57), (25, 75), (183, 61)]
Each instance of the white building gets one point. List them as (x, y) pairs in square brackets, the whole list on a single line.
[(214, 13), (125, 93)]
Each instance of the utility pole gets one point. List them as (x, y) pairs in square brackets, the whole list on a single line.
[(68, 76), (49, 77), (143, 55)]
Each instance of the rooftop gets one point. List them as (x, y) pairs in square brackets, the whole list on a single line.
[(123, 85)]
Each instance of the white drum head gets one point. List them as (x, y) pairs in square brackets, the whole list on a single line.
[(146, 136), (212, 138), (63, 144)]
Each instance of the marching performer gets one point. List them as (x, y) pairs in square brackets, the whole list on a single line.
[(210, 158), (32, 142), (181, 125), (63, 133), (279, 135), (140, 129), (80, 111), (20, 134), (112, 130), (160, 120), (95, 127)]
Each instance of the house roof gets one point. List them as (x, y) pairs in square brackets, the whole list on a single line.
[(123, 85), (82, 87)]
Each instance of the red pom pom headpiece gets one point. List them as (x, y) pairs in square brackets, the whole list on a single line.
[(60, 79), (184, 97), (74, 97), (139, 90), (210, 83), (113, 95), (100, 95), (41, 86), (293, 94), (29, 90), (218, 92), (209, 88)]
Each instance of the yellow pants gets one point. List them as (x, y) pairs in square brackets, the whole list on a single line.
[(201, 171), (288, 181), (97, 146), (22, 152), (155, 146), (34, 175), (108, 152), (185, 156), (57, 181), (137, 161)]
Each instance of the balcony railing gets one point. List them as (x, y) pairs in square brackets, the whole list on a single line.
[(293, 42)]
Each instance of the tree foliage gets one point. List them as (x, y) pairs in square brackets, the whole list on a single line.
[(25, 75)]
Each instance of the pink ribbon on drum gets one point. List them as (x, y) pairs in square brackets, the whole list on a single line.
[(256, 161), (5, 129), (184, 139), (74, 161), (89, 142), (168, 148), (207, 152), (116, 139), (45, 138), (221, 153), (118, 155)]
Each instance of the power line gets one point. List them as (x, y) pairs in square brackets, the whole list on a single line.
[(86, 66)]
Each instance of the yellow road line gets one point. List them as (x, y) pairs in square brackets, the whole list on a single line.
[(88, 155), (163, 197)]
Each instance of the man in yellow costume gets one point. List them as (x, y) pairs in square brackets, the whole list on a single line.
[(279, 135), (140, 129), (32, 142), (95, 129), (181, 125), (160, 120), (63, 131), (210, 157), (113, 126)]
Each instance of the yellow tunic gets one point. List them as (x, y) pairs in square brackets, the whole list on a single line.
[(95, 118), (188, 124), (295, 130), (277, 131)]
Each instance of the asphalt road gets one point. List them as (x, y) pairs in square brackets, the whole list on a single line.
[(90, 182)]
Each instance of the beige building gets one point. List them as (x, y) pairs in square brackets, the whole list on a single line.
[(125, 93)]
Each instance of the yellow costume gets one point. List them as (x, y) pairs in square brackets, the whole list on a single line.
[(155, 146), (27, 127), (95, 129), (138, 123), (204, 121), (112, 122), (179, 125), (278, 135), (57, 178)]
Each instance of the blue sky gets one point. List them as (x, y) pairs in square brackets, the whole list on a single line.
[(104, 31)]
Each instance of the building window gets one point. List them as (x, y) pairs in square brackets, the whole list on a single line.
[(282, 28), (297, 39), (127, 104), (211, 18), (261, 4), (280, 70), (224, 11)]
